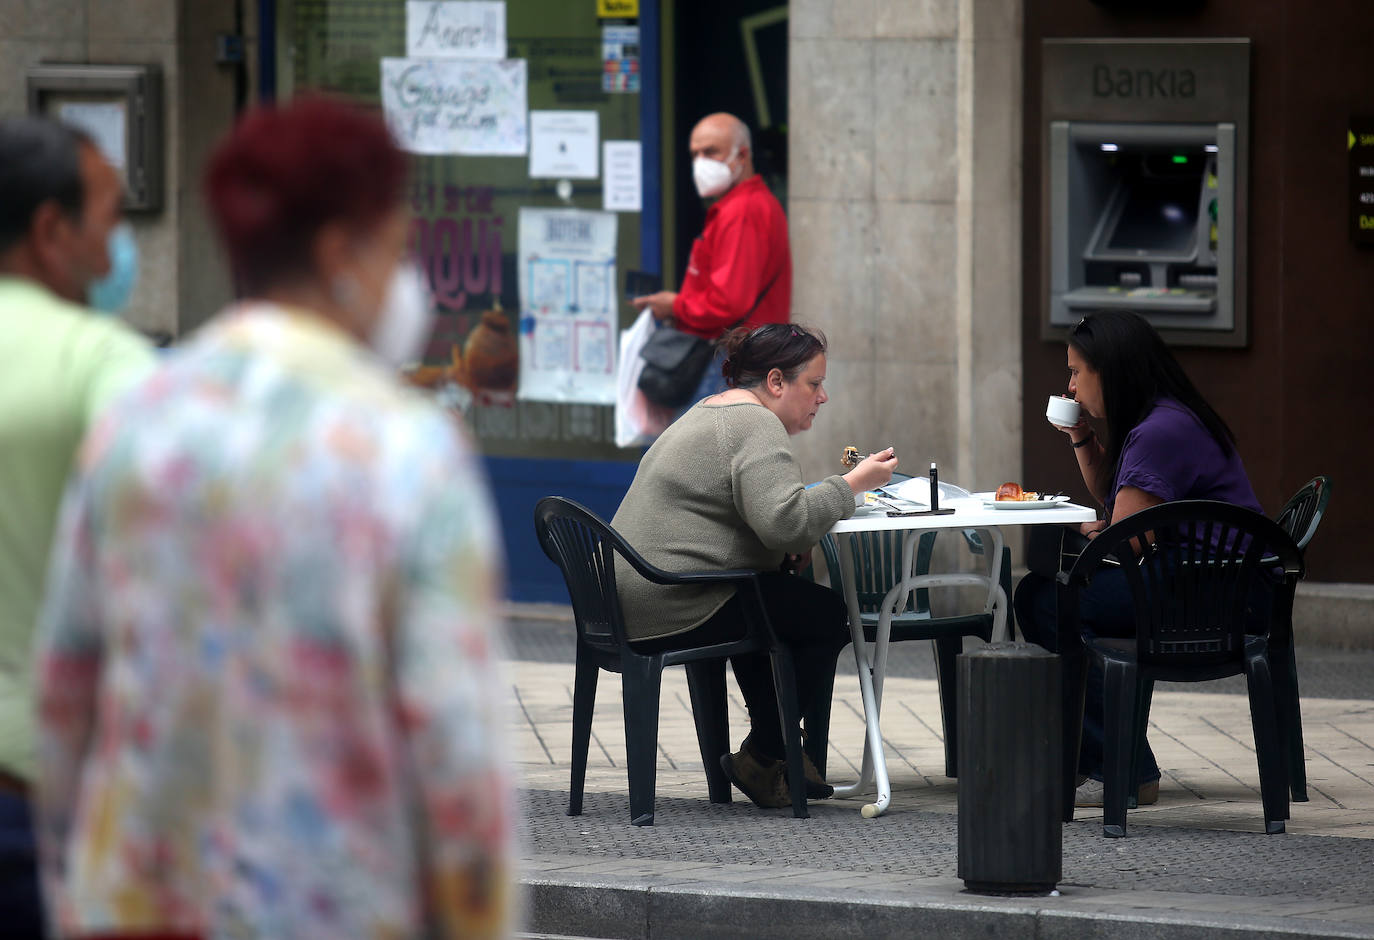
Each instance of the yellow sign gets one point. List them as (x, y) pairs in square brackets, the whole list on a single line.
[(619, 9)]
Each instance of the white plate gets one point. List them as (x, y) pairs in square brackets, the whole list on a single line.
[(1050, 503)]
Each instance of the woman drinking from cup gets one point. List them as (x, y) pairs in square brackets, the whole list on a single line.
[(1159, 442), (721, 489)]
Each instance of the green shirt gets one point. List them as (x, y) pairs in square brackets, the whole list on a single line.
[(59, 365), (719, 489)]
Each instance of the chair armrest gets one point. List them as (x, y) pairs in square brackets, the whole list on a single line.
[(1094, 555), (659, 576), (728, 576), (750, 593)]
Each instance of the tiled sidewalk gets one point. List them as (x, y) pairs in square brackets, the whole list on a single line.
[(1203, 743), (1195, 862)]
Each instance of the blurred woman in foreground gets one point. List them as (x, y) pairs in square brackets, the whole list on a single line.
[(268, 698)]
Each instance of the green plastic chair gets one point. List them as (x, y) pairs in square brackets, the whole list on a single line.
[(877, 567)]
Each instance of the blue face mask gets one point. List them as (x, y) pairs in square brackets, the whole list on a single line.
[(110, 294)]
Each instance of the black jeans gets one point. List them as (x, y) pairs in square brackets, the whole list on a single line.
[(20, 899), (809, 619), (1105, 609)]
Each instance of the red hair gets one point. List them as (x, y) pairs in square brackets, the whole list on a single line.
[(285, 172)]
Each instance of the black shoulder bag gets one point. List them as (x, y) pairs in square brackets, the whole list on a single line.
[(674, 361)]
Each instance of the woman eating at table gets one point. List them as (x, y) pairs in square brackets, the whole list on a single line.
[(721, 489), (1160, 441)]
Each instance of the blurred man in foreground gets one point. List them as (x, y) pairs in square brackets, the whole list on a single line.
[(62, 248)]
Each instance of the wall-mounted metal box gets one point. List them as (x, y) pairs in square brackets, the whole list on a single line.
[(120, 106), (1144, 192)]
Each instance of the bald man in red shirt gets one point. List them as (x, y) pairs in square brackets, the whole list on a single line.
[(741, 266)]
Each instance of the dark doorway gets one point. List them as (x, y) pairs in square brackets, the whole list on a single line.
[(717, 69)]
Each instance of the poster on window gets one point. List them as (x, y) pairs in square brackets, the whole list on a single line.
[(567, 305), (473, 107)]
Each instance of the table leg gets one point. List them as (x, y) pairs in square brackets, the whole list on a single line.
[(874, 760)]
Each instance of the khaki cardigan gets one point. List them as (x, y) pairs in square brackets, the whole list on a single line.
[(719, 489)]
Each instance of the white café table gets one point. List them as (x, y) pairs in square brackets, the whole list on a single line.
[(969, 513)]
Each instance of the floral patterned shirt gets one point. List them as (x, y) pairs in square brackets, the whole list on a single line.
[(268, 695)]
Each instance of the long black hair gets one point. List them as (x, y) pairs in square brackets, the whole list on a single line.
[(751, 354), (1136, 370)]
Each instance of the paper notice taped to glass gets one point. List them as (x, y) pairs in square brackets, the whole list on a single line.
[(621, 184), (564, 144)]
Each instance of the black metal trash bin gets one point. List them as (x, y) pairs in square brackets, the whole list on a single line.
[(1010, 742)]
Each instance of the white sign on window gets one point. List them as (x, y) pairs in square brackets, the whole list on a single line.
[(567, 305), (474, 107), (563, 144), (621, 185), (456, 29)]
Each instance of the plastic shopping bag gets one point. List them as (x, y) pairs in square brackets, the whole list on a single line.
[(637, 420)]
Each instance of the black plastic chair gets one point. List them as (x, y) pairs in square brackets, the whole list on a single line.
[(584, 548), (1299, 517), (877, 560), (1202, 563)]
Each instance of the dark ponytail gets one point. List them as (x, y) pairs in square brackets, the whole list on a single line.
[(751, 354)]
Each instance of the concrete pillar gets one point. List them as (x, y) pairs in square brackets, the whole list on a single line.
[(904, 204)]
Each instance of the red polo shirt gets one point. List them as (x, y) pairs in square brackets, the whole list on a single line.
[(741, 252)]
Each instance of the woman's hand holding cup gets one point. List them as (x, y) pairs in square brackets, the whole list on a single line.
[(873, 471), (1063, 412)]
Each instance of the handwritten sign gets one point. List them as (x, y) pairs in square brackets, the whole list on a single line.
[(474, 107), (459, 29)]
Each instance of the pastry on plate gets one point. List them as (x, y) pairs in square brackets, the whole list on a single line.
[(1012, 492)]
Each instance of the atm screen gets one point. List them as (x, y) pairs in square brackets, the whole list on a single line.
[(1160, 215)]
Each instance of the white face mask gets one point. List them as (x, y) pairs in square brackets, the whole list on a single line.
[(712, 177), (406, 319)]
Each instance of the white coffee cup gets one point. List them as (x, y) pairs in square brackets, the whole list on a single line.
[(1062, 411)]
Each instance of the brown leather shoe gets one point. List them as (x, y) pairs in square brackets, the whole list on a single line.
[(762, 779), (816, 787)]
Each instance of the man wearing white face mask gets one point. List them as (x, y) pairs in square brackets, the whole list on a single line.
[(740, 269), (62, 251)]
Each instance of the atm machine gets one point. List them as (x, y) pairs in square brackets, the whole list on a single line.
[(1144, 190)]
